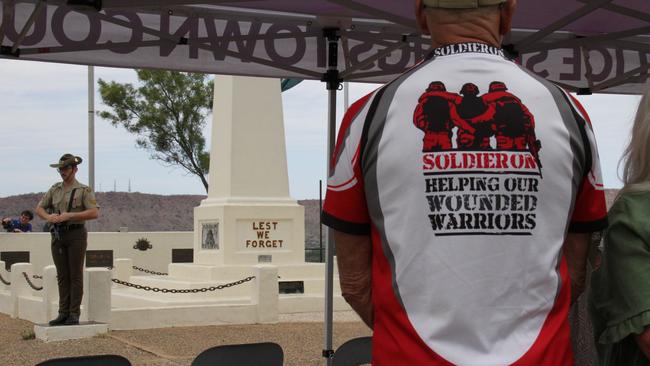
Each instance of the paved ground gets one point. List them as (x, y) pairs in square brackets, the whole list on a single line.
[(301, 337)]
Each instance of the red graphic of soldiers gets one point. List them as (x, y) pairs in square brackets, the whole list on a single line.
[(514, 125), (436, 115), (476, 112)]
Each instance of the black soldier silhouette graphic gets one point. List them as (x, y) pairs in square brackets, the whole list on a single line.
[(473, 108), (436, 115)]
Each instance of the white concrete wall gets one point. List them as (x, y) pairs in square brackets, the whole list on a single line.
[(155, 259)]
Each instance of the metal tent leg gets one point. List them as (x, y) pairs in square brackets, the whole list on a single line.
[(333, 81)]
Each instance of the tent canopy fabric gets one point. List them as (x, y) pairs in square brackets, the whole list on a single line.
[(587, 45)]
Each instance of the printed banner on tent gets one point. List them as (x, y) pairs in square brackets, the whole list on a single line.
[(213, 41)]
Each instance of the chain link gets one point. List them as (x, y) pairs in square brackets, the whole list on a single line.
[(37, 277), (37, 288), (183, 290), (149, 271), (4, 281)]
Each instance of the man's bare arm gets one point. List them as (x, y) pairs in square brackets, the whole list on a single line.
[(576, 249), (88, 214), (354, 258), (40, 211)]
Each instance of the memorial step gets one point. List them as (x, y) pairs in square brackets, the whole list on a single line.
[(49, 333)]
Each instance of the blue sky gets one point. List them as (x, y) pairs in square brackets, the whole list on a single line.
[(43, 114)]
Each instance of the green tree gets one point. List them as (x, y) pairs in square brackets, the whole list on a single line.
[(167, 111)]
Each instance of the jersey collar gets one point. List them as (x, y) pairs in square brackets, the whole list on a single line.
[(469, 47)]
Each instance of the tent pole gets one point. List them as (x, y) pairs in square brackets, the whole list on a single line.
[(91, 127), (332, 78)]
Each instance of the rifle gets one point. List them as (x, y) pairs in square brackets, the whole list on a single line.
[(534, 145), (55, 229)]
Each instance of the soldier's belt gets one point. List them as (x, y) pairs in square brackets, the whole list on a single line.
[(71, 227)]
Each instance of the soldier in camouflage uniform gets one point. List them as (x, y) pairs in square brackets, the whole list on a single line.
[(66, 206)]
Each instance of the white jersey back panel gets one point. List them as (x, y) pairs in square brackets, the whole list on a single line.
[(473, 230)]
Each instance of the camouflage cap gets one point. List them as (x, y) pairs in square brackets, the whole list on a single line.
[(460, 4), (67, 160)]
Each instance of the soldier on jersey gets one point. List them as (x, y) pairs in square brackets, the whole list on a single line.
[(514, 125), (474, 110), (436, 115)]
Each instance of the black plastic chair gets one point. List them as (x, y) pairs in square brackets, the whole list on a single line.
[(254, 354), (102, 360), (356, 351)]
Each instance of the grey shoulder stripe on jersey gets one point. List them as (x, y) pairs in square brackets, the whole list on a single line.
[(339, 150), (372, 132), (578, 147), (575, 124)]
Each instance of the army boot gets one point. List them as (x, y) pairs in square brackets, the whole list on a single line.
[(73, 319), (59, 320)]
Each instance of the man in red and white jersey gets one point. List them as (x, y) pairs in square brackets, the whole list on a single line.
[(469, 254)]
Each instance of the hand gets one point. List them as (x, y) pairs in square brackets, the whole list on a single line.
[(54, 218), (66, 216), (17, 231)]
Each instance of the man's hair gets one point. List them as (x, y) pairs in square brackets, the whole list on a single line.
[(636, 157), (28, 213)]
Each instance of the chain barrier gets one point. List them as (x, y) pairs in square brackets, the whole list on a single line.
[(149, 271), (29, 282), (183, 290), (4, 281)]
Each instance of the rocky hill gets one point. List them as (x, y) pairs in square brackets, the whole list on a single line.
[(147, 212)]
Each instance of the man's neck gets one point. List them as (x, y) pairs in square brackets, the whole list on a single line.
[(460, 35), (68, 183)]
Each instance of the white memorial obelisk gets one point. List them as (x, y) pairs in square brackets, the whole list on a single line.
[(248, 216)]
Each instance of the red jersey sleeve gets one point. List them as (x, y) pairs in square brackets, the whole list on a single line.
[(345, 206), (590, 210)]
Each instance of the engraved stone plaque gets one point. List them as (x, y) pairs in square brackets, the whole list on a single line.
[(99, 258), (263, 234), (183, 255), (291, 287), (14, 257)]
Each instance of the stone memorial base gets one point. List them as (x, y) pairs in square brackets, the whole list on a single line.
[(247, 234), (49, 333)]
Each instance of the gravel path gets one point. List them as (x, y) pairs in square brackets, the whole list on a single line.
[(300, 335)]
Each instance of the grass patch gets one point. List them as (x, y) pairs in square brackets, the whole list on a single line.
[(27, 335)]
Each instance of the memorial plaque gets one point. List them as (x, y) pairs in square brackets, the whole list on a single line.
[(14, 257), (99, 258), (263, 234), (291, 287), (183, 255), (264, 258), (210, 235)]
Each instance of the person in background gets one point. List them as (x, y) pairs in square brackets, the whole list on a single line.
[(20, 225), (620, 296)]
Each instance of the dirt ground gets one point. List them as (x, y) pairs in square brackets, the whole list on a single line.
[(301, 338)]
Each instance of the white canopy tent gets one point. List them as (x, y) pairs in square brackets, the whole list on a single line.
[(584, 45)]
